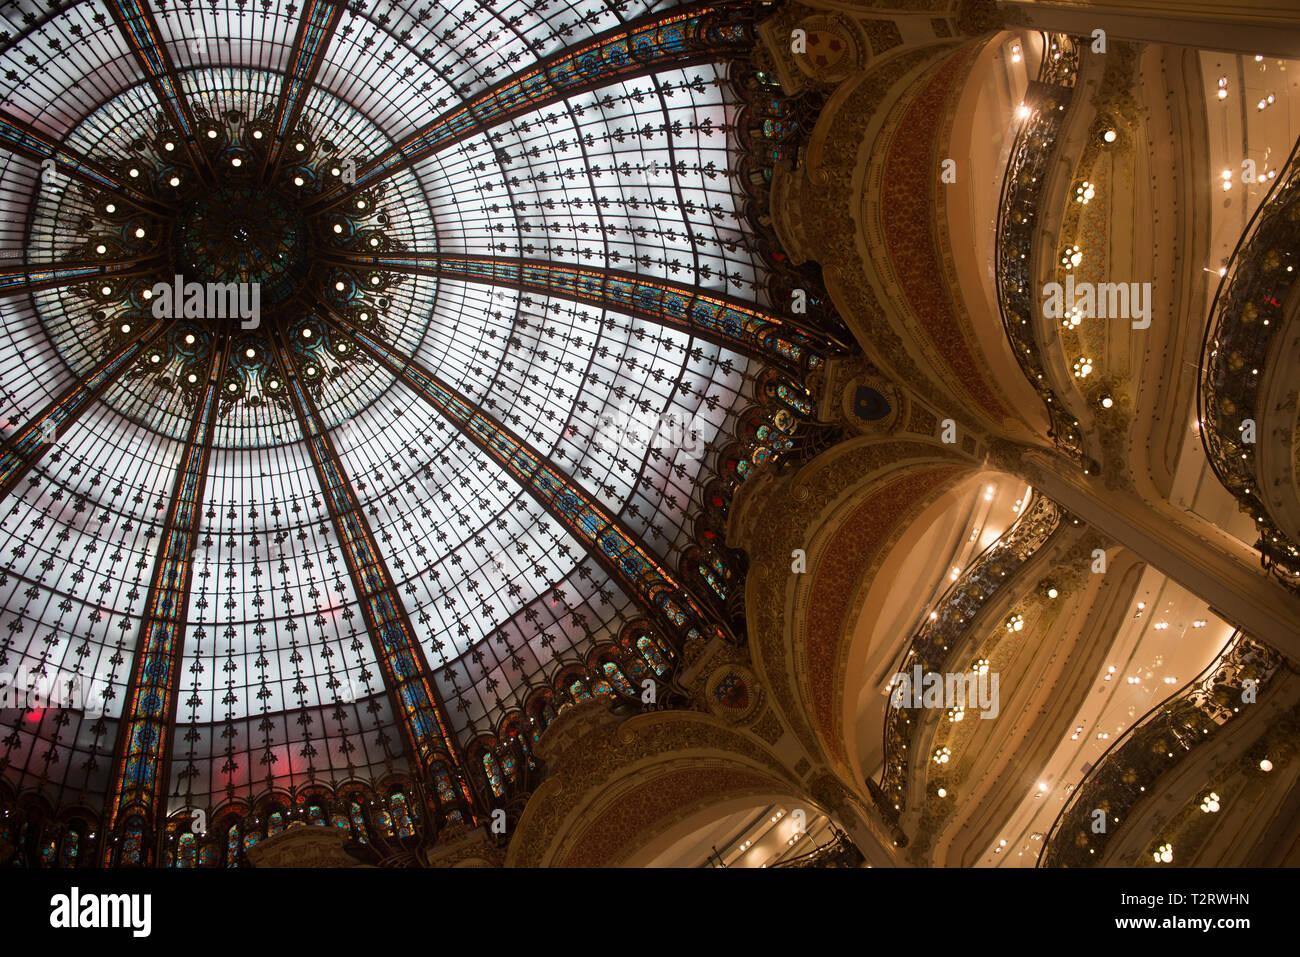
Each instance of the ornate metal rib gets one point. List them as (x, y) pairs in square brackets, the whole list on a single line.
[(715, 318), (139, 781), (666, 600), (25, 140), (142, 37), (406, 674), (310, 44)]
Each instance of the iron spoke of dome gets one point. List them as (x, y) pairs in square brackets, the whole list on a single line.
[(27, 446), (407, 677), (310, 45), (142, 37), (720, 320), (143, 754), (29, 277), (24, 139), (677, 37), (667, 601)]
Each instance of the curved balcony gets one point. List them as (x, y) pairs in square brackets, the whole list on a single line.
[(1047, 100), (933, 645), (1166, 735), (1240, 359)]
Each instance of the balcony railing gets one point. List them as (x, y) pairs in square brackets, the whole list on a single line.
[(1047, 100), (1132, 767), (935, 643), (1245, 320)]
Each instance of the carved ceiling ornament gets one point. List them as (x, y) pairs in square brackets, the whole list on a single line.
[(732, 693), (774, 519), (873, 405), (827, 190), (601, 801), (813, 48), (305, 846)]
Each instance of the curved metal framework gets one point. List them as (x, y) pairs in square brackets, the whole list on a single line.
[(232, 568)]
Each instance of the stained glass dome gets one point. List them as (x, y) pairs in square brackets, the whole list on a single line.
[(372, 500)]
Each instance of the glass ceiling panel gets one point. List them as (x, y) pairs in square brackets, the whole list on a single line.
[(73, 581), (630, 176), (278, 680), (278, 674)]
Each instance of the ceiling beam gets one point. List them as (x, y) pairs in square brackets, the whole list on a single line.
[(25, 140), (142, 756), (406, 674), (30, 277), (143, 38), (718, 319), (310, 44)]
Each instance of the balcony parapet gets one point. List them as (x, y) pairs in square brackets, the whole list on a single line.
[(1132, 767), (936, 642), (1048, 100), (1239, 356)]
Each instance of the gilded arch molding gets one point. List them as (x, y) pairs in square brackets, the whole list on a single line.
[(917, 87), (615, 783), (846, 510)]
